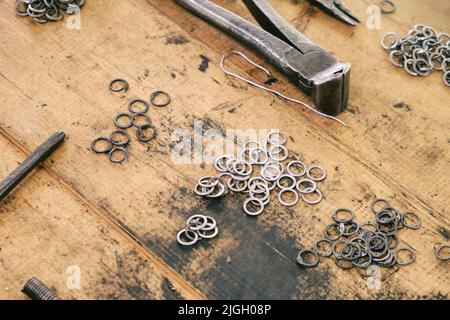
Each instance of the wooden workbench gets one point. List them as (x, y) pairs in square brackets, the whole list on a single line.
[(118, 222)]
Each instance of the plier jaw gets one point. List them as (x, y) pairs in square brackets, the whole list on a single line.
[(338, 10), (306, 64)]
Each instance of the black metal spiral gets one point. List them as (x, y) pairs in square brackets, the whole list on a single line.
[(36, 290)]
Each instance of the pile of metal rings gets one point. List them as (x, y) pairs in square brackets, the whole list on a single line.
[(363, 245), (420, 52), (43, 11), (198, 227), (293, 180), (137, 117)]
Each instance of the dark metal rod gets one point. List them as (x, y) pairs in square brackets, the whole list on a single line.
[(36, 158)]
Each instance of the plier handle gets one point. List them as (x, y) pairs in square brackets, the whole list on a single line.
[(306, 64)]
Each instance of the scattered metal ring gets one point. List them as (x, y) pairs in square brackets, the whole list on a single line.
[(412, 258), (118, 142), (286, 203), (141, 129), (302, 262), (321, 168), (96, 140), (120, 149), (135, 101), (155, 94), (143, 115), (122, 115), (124, 87), (313, 202), (439, 250)]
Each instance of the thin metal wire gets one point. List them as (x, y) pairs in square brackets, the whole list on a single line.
[(267, 72)]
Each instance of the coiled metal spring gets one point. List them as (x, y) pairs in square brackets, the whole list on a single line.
[(36, 290)]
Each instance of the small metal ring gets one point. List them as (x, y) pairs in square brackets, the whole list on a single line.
[(413, 226), (141, 129), (118, 142), (340, 220), (321, 252), (135, 101), (192, 225), (393, 44), (193, 239), (203, 233), (295, 162), (258, 202), (321, 168), (303, 263), (307, 190), (314, 202), (287, 176), (439, 250), (155, 94), (138, 114), (391, 6), (286, 203), (113, 151), (96, 140), (125, 86), (447, 78), (122, 115), (379, 200), (412, 257), (282, 138)]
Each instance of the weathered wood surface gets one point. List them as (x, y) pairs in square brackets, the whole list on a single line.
[(119, 222)]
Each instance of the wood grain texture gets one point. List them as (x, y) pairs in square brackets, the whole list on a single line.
[(52, 78)]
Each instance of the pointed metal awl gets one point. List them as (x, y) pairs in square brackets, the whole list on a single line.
[(35, 158)]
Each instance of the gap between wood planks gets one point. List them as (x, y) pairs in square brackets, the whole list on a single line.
[(380, 174), (187, 289)]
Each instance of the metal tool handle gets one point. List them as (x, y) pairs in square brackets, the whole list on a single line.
[(35, 158), (262, 41)]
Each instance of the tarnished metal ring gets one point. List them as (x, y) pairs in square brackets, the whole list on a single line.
[(96, 140), (120, 149), (135, 101), (447, 78), (155, 94), (141, 129), (439, 250), (124, 87), (320, 251), (412, 257), (390, 8), (122, 115), (191, 235), (336, 227), (301, 255), (140, 115), (342, 220), (413, 226), (379, 200), (119, 143)]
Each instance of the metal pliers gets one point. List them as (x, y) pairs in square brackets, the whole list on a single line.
[(306, 64), (337, 9)]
